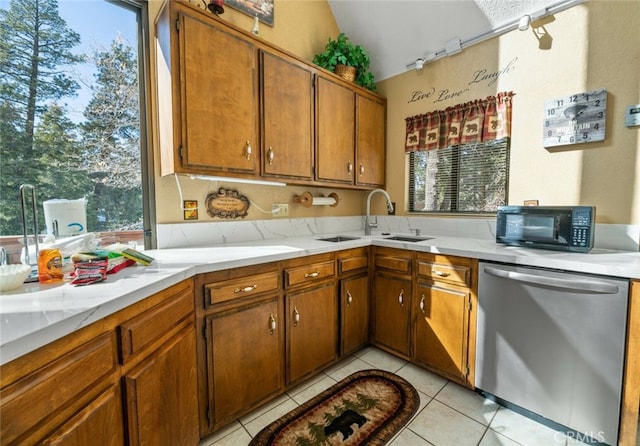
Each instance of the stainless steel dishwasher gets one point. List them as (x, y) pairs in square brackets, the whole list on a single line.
[(552, 344)]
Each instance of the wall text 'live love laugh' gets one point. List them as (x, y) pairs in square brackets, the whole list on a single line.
[(479, 77)]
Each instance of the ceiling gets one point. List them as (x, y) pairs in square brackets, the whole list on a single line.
[(396, 33)]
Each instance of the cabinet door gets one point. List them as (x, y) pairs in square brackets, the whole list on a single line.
[(370, 142), (287, 118), (99, 424), (161, 395), (354, 316), (312, 330), (219, 87), (392, 313), (441, 329), (335, 146), (246, 358)]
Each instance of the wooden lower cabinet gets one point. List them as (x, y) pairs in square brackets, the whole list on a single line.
[(391, 300), (58, 388), (444, 316), (392, 313), (312, 333), (441, 329), (100, 423), (161, 395), (354, 313), (353, 295), (128, 379), (630, 411), (246, 357)]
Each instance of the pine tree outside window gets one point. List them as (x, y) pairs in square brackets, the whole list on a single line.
[(71, 114)]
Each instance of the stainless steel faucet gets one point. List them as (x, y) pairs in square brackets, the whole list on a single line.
[(372, 223)]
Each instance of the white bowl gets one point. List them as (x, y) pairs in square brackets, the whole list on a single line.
[(13, 276)]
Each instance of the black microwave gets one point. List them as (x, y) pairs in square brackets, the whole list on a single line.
[(563, 228)]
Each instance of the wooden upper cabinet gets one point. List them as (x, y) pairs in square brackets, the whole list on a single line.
[(230, 104), (335, 155), (220, 104), (370, 141), (207, 95), (287, 118)]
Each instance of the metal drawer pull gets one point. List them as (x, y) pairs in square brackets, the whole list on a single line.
[(422, 304), (349, 167), (361, 169), (245, 289), (312, 275), (296, 317), (249, 150), (349, 298), (272, 324), (270, 155), (441, 274), (401, 298)]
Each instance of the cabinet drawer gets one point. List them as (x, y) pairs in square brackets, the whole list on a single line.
[(245, 286), (456, 274), (393, 263), (353, 263), (32, 402), (308, 273), (141, 331)]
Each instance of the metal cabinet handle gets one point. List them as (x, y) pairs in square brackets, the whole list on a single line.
[(349, 167), (245, 289), (349, 298), (249, 150), (441, 273), (270, 155), (361, 169), (312, 275), (272, 324), (296, 317), (401, 298), (422, 304)]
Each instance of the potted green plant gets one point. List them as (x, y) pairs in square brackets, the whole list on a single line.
[(343, 52)]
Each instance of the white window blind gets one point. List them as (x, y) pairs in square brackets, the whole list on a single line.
[(466, 178)]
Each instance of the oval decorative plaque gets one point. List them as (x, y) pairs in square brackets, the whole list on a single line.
[(227, 203)]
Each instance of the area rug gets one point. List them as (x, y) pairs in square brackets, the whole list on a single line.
[(368, 407)]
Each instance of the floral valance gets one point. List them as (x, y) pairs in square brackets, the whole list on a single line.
[(476, 121)]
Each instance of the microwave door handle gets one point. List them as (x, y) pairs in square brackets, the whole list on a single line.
[(588, 286)]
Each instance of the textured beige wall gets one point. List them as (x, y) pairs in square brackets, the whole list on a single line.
[(301, 27), (595, 45)]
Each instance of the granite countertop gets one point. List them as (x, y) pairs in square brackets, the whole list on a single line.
[(34, 315)]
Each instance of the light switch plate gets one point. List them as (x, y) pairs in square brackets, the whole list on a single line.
[(632, 117)]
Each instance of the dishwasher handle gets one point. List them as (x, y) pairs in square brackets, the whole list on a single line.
[(589, 286)]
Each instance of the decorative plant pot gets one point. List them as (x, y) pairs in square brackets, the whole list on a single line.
[(346, 72)]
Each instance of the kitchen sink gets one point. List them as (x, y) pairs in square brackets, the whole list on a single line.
[(339, 238), (408, 238)]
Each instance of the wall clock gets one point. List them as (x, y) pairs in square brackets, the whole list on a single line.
[(575, 119)]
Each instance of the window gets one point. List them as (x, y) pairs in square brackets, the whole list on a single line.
[(72, 123), (460, 178)]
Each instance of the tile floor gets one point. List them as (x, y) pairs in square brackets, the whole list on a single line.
[(449, 414)]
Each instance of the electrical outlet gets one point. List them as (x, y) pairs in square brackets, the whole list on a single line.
[(280, 210)]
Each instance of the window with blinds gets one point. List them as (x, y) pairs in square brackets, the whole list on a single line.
[(471, 178)]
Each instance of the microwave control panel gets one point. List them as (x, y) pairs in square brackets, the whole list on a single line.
[(582, 221)]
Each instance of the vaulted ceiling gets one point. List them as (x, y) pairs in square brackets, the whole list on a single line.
[(396, 33)]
